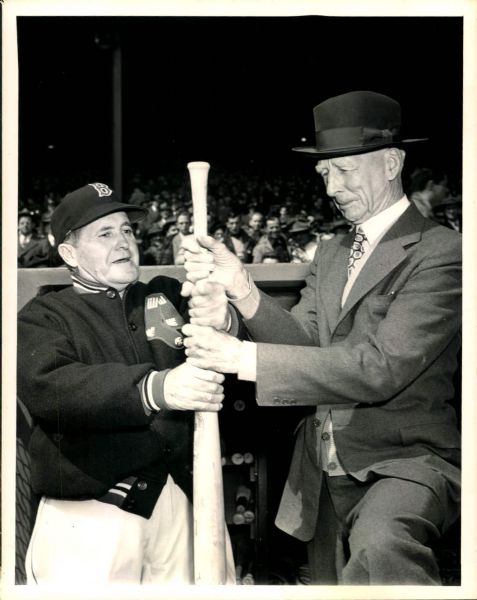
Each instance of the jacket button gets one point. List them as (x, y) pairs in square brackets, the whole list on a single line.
[(132, 326), (111, 293), (316, 422), (142, 485), (167, 450), (332, 466), (179, 342), (325, 436)]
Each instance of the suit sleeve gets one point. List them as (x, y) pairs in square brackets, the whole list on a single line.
[(275, 325), (400, 336)]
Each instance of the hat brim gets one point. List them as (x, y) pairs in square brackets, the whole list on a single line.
[(135, 213), (312, 151)]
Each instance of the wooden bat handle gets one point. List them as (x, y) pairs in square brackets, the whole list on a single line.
[(209, 520)]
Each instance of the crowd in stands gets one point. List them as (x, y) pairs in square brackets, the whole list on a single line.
[(262, 219)]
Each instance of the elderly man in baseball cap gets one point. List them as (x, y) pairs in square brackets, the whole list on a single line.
[(372, 345), (101, 368)]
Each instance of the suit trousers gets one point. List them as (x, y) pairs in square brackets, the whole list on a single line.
[(375, 533)]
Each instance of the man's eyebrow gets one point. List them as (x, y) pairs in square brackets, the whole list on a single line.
[(110, 227)]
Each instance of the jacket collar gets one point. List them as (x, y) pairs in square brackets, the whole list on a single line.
[(83, 286)]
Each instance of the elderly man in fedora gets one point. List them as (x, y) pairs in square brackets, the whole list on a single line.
[(371, 347), (101, 368)]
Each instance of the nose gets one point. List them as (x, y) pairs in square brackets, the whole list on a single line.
[(123, 241), (332, 184)]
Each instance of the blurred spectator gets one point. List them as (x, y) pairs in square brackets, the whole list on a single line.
[(165, 214), (218, 232), (284, 217), (449, 213), (422, 191), (183, 226), (27, 239), (152, 217), (138, 197), (302, 242), (46, 215), (254, 229), (237, 240), (159, 247), (272, 241), (43, 254)]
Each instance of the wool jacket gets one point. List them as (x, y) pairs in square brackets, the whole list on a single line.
[(81, 358)]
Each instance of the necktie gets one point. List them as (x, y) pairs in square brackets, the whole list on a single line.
[(357, 249)]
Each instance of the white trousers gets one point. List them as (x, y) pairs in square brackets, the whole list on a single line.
[(90, 542)]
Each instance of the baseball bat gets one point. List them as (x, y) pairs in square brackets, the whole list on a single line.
[(209, 519)]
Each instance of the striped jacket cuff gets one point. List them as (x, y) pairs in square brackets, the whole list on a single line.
[(151, 389)]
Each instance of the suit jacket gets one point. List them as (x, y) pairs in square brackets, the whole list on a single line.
[(25, 252), (382, 364)]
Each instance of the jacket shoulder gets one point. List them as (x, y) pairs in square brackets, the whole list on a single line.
[(442, 239)]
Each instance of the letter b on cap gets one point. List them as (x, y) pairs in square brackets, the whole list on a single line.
[(102, 189)]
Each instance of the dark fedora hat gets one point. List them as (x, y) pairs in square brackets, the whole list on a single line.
[(299, 226), (355, 123), (87, 204)]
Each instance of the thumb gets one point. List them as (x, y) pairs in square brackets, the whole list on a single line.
[(187, 288), (209, 242)]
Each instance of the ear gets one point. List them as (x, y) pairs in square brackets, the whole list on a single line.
[(394, 161), (68, 254)]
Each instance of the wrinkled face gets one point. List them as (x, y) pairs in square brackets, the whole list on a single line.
[(183, 224), (233, 225), (358, 184), (273, 228), (106, 252), (256, 221), (25, 225)]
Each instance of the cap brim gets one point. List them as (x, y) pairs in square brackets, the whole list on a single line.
[(337, 152), (135, 213)]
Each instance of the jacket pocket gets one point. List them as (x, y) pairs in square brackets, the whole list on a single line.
[(379, 305)]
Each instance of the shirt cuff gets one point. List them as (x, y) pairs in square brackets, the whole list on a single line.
[(248, 305), (151, 389), (247, 367)]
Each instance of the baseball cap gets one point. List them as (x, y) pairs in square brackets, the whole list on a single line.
[(87, 204)]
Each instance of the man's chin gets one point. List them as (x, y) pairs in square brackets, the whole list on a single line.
[(125, 273)]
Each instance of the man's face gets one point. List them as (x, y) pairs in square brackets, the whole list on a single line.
[(233, 225), (358, 184), (183, 224), (25, 225), (256, 221), (106, 251), (273, 228)]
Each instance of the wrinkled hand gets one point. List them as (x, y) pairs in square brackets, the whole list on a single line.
[(207, 257), (208, 304), (189, 388), (210, 349)]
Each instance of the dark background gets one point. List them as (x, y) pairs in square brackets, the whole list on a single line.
[(237, 92)]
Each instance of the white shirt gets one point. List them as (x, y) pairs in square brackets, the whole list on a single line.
[(374, 229)]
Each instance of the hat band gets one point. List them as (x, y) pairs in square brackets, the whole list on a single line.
[(354, 137)]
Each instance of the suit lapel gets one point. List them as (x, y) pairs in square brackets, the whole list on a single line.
[(333, 280), (389, 253)]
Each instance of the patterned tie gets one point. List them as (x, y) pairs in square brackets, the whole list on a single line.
[(357, 249)]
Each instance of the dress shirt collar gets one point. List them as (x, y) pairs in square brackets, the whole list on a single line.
[(375, 227)]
